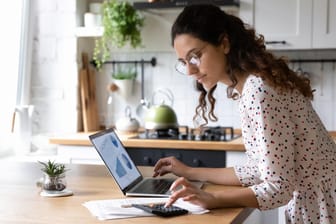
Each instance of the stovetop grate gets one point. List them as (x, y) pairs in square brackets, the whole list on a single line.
[(218, 133)]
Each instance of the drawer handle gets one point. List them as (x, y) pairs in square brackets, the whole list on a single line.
[(196, 162), (147, 160)]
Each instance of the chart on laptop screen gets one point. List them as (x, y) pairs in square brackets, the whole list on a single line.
[(116, 159)]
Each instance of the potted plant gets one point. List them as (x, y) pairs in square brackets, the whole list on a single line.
[(123, 74), (124, 78), (122, 24), (54, 176)]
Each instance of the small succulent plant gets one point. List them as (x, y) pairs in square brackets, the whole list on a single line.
[(52, 168), (54, 179)]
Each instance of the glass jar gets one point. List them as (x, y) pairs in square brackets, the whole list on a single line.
[(54, 183)]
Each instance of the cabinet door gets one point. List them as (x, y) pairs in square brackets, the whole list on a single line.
[(285, 24), (324, 24)]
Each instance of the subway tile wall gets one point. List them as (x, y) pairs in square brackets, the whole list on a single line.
[(54, 66), (322, 75), (163, 76), (56, 60)]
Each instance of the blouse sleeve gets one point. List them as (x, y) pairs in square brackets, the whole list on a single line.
[(272, 135), (247, 175)]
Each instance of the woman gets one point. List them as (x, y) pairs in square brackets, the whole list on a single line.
[(291, 158)]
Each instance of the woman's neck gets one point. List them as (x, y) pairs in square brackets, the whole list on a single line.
[(241, 81)]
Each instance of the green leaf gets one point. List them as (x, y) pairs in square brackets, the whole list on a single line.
[(122, 24), (52, 168)]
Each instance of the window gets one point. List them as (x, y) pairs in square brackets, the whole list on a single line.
[(12, 60)]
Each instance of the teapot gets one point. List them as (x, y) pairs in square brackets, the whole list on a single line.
[(160, 115), (127, 123)]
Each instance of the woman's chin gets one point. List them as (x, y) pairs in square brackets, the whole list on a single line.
[(207, 86)]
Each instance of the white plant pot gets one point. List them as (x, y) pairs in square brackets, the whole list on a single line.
[(125, 87)]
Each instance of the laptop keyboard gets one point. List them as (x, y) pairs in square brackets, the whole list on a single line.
[(158, 186)]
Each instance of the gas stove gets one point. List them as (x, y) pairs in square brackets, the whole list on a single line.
[(196, 157), (218, 133)]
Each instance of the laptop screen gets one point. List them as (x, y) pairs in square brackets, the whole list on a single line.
[(115, 157)]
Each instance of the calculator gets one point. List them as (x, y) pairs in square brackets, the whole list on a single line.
[(161, 210)]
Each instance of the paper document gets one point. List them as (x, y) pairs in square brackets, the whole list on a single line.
[(120, 208)]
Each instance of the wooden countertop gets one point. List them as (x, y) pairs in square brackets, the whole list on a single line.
[(81, 139), (21, 202)]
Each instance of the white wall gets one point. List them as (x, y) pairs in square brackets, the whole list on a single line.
[(54, 66)]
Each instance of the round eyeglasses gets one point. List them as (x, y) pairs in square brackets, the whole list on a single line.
[(193, 60)]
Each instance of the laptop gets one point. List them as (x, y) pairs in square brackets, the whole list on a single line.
[(124, 171)]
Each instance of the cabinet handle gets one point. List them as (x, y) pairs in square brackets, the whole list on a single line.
[(147, 160), (276, 42), (196, 162)]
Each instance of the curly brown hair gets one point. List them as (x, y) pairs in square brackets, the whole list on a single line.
[(247, 55)]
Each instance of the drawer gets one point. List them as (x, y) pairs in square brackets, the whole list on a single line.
[(195, 158)]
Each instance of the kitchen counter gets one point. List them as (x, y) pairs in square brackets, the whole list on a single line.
[(146, 152), (81, 139), (21, 202)]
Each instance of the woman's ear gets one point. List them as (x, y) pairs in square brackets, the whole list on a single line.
[(225, 45)]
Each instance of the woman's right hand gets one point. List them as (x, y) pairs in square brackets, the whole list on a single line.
[(170, 165)]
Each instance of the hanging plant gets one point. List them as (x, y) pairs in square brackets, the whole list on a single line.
[(122, 24)]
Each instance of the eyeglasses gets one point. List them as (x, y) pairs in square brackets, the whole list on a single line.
[(193, 59)]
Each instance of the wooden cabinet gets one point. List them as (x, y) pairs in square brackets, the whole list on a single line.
[(296, 24)]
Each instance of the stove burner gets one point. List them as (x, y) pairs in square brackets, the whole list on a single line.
[(203, 134), (170, 133)]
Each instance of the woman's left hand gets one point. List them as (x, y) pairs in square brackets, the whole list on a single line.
[(182, 188)]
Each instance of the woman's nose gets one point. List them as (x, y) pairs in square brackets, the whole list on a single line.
[(191, 69)]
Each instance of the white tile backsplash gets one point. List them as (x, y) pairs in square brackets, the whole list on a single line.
[(44, 48), (56, 54), (163, 75)]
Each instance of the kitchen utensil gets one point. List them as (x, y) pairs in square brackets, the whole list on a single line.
[(93, 98), (84, 97), (128, 123), (142, 108), (160, 117), (109, 118), (88, 96), (160, 96)]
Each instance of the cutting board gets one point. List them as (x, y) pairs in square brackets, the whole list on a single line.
[(89, 106)]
